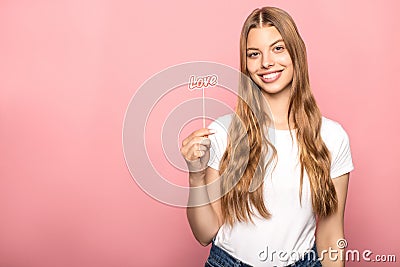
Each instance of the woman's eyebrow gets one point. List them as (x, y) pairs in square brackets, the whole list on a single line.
[(274, 43)]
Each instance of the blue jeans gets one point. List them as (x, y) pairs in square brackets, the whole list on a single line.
[(220, 258)]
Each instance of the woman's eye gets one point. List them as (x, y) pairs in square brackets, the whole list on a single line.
[(254, 54), (279, 48)]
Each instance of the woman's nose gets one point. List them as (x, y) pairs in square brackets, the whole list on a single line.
[(267, 61)]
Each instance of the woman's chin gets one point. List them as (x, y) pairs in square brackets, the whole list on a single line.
[(272, 91)]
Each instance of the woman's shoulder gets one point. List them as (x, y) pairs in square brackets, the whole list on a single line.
[(331, 127), (221, 123), (332, 132), (337, 142)]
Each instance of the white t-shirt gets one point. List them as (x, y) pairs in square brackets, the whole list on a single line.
[(290, 232)]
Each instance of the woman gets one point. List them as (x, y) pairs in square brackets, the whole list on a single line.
[(280, 168)]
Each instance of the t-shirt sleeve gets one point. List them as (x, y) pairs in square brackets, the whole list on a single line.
[(218, 143), (342, 162)]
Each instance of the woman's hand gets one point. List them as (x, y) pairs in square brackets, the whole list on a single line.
[(196, 150)]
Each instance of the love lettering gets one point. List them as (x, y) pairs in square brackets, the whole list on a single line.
[(202, 81)]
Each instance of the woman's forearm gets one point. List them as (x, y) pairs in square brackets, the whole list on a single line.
[(331, 255), (201, 216)]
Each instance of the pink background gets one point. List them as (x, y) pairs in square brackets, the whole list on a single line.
[(68, 70)]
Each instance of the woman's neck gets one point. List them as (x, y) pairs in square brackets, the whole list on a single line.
[(279, 106)]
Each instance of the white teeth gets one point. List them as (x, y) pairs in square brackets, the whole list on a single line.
[(271, 75)]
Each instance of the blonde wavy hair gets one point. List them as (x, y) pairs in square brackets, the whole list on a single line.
[(244, 163)]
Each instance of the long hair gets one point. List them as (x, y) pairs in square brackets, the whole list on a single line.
[(244, 163)]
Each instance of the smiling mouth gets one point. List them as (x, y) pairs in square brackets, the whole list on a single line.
[(270, 77)]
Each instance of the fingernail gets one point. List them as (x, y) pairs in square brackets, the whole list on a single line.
[(212, 130)]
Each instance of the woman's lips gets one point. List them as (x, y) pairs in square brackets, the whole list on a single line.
[(271, 77)]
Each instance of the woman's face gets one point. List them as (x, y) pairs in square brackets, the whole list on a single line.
[(268, 62)]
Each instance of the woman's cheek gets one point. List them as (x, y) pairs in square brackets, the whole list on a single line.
[(251, 66), (285, 59)]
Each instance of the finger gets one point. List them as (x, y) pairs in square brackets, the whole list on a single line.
[(184, 151), (195, 152), (203, 132), (188, 151), (199, 140), (202, 148), (196, 141), (205, 142), (200, 153)]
